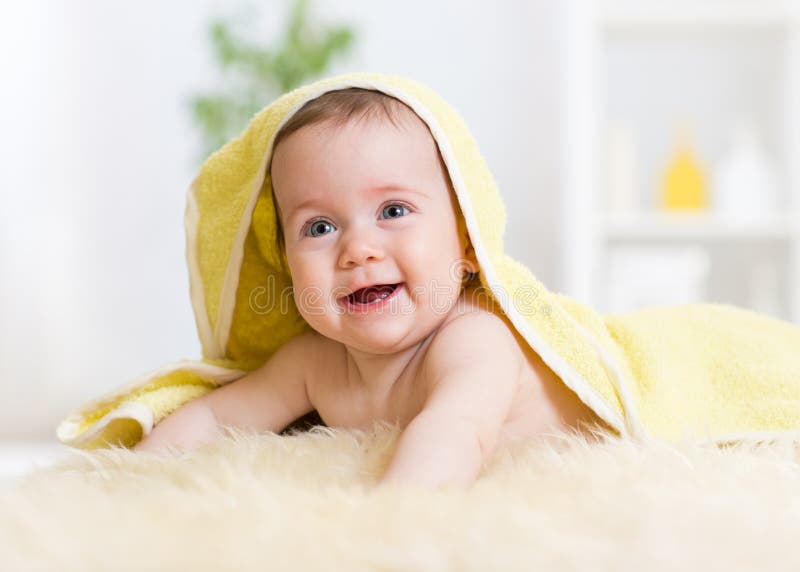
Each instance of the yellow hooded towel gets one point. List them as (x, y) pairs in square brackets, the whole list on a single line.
[(705, 371)]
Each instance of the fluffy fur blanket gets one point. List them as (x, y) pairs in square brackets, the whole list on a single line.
[(305, 502)]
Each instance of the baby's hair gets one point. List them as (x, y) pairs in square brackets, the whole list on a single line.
[(341, 106)]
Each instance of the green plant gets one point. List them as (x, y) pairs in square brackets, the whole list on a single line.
[(255, 74)]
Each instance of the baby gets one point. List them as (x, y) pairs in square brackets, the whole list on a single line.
[(384, 273)]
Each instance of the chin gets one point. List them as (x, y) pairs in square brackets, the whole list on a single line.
[(379, 349), (381, 334), (377, 340)]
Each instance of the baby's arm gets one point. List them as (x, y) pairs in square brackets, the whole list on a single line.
[(474, 366), (267, 399)]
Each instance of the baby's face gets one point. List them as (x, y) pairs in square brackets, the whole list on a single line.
[(368, 204)]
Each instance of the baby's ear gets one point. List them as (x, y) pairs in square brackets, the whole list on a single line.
[(469, 256)]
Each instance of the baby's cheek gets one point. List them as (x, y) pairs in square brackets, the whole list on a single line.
[(306, 289), (430, 276), (421, 256)]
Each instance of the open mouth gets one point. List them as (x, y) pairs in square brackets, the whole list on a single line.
[(372, 294)]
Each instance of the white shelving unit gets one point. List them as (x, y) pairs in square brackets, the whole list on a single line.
[(649, 64)]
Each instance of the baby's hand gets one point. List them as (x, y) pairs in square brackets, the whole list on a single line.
[(435, 452), (472, 391), (188, 427)]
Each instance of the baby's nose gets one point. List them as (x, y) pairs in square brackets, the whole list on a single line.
[(359, 247)]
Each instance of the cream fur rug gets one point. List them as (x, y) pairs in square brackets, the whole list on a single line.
[(304, 503)]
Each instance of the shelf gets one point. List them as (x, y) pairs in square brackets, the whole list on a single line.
[(700, 226), (643, 63), (622, 14)]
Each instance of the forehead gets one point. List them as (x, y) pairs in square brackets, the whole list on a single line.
[(371, 150)]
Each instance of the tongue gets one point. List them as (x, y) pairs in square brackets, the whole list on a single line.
[(372, 293)]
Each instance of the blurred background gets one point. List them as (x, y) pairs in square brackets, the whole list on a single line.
[(648, 153)]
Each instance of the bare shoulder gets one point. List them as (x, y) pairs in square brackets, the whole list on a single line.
[(322, 359), (474, 336), (294, 353), (309, 349), (300, 357), (308, 341)]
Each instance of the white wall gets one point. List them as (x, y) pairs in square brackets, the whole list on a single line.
[(99, 149)]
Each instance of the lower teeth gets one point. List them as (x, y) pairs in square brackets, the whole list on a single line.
[(374, 296)]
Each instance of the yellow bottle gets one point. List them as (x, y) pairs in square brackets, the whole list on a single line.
[(684, 186)]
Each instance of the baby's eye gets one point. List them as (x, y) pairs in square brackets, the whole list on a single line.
[(318, 228), (394, 210)]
